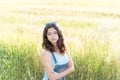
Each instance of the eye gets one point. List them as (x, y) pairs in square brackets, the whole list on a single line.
[(49, 34), (55, 32)]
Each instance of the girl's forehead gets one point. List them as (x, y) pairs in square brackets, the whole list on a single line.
[(51, 30)]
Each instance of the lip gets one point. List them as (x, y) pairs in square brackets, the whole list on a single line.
[(53, 39)]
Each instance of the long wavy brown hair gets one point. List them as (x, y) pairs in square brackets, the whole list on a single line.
[(60, 43)]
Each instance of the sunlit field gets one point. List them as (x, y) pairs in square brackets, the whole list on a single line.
[(91, 28)]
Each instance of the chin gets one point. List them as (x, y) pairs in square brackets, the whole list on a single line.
[(53, 42)]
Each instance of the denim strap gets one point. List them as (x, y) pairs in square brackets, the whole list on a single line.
[(54, 57)]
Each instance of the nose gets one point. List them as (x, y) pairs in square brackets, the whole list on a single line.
[(53, 35)]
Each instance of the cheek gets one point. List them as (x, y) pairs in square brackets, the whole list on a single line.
[(48, 37), (57, 37)]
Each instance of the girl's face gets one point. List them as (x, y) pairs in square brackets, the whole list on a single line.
[(52, 35)]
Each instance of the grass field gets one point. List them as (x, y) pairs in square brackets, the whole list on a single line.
[(91, 27)]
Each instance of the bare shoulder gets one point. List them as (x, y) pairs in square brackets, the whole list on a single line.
[(45, 54), (68, 51)]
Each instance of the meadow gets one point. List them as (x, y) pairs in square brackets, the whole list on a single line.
[(91, 28)]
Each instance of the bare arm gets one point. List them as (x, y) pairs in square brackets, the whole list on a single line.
[(46, 61), (70, 67)]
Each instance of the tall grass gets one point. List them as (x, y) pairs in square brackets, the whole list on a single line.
[(93, 57), (93, 42), (19, 57)]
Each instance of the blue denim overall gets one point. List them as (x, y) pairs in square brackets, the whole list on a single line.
[(59, 63), (59, 68)]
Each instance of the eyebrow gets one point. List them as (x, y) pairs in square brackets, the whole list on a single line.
[(51, 32)]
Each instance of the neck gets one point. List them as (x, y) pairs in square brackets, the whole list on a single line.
[(56, 47)]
